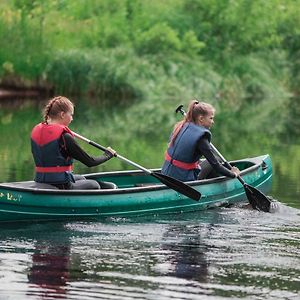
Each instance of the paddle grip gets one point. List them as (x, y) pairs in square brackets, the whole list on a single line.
[(180, 109)]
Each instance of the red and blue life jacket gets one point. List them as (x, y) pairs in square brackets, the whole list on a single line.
[(51, 165), (182, 156)]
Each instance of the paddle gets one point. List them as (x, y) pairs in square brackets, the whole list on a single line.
[(256, 198), (171, 182)]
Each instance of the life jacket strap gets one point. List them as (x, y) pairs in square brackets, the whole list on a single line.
[(181, 164), (57, 169)]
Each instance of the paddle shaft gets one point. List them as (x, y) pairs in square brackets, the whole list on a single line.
[(171, 182), (116, 155), (241, 180)]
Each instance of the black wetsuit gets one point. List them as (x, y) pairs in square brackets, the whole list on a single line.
[(205, 148), (70, 148)]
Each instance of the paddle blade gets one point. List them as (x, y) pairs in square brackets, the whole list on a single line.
[(178, 186), (257, 199)]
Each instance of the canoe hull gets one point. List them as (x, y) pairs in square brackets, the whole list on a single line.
[(138, 194)]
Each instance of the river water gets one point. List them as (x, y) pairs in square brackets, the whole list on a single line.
[(223, 253)]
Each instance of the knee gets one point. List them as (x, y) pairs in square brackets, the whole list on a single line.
[(94, 185), (107, 185), (78, 177), (87, 184)]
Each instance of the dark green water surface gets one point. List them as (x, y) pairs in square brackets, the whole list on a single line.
[(224, 253)]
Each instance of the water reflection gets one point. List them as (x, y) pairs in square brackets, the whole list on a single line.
[(46, 250), (50, 268), (187, 252), (225, 252)]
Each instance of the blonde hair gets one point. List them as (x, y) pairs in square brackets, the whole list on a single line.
[(195, 110), (55, 106)]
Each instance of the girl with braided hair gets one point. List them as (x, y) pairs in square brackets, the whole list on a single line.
[(53, 147), (189, 141)]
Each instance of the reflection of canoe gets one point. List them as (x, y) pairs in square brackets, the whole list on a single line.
[(137, 194)]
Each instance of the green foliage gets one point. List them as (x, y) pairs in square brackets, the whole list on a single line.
[(190, 44), (149, 55), (111, 76), (159, 39), (21, 39), (228, 27), (262, 77), (68, 71)]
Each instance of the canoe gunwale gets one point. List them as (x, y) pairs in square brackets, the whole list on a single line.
[(258, 161)]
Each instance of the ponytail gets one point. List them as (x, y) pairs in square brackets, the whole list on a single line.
[(195, 109)]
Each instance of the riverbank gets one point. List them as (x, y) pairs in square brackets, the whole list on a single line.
[(12, 87), (27, 93)]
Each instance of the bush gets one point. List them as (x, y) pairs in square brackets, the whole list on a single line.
[(68, 72), (159, 39), (111, 75), (190, 44)]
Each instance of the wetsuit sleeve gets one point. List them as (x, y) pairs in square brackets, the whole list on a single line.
[(73, 150), (205, 148)]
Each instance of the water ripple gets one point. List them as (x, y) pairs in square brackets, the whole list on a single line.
[(223, 253)]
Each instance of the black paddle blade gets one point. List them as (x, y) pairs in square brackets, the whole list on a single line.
[(178, 186), (257, 199)]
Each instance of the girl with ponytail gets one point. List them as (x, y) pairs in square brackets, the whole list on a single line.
[(53, 148), (189, 141)]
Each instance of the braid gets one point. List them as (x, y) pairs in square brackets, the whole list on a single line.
[(55, 106), (48, 109)]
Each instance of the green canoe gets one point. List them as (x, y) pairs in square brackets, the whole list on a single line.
[(137, 194)]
